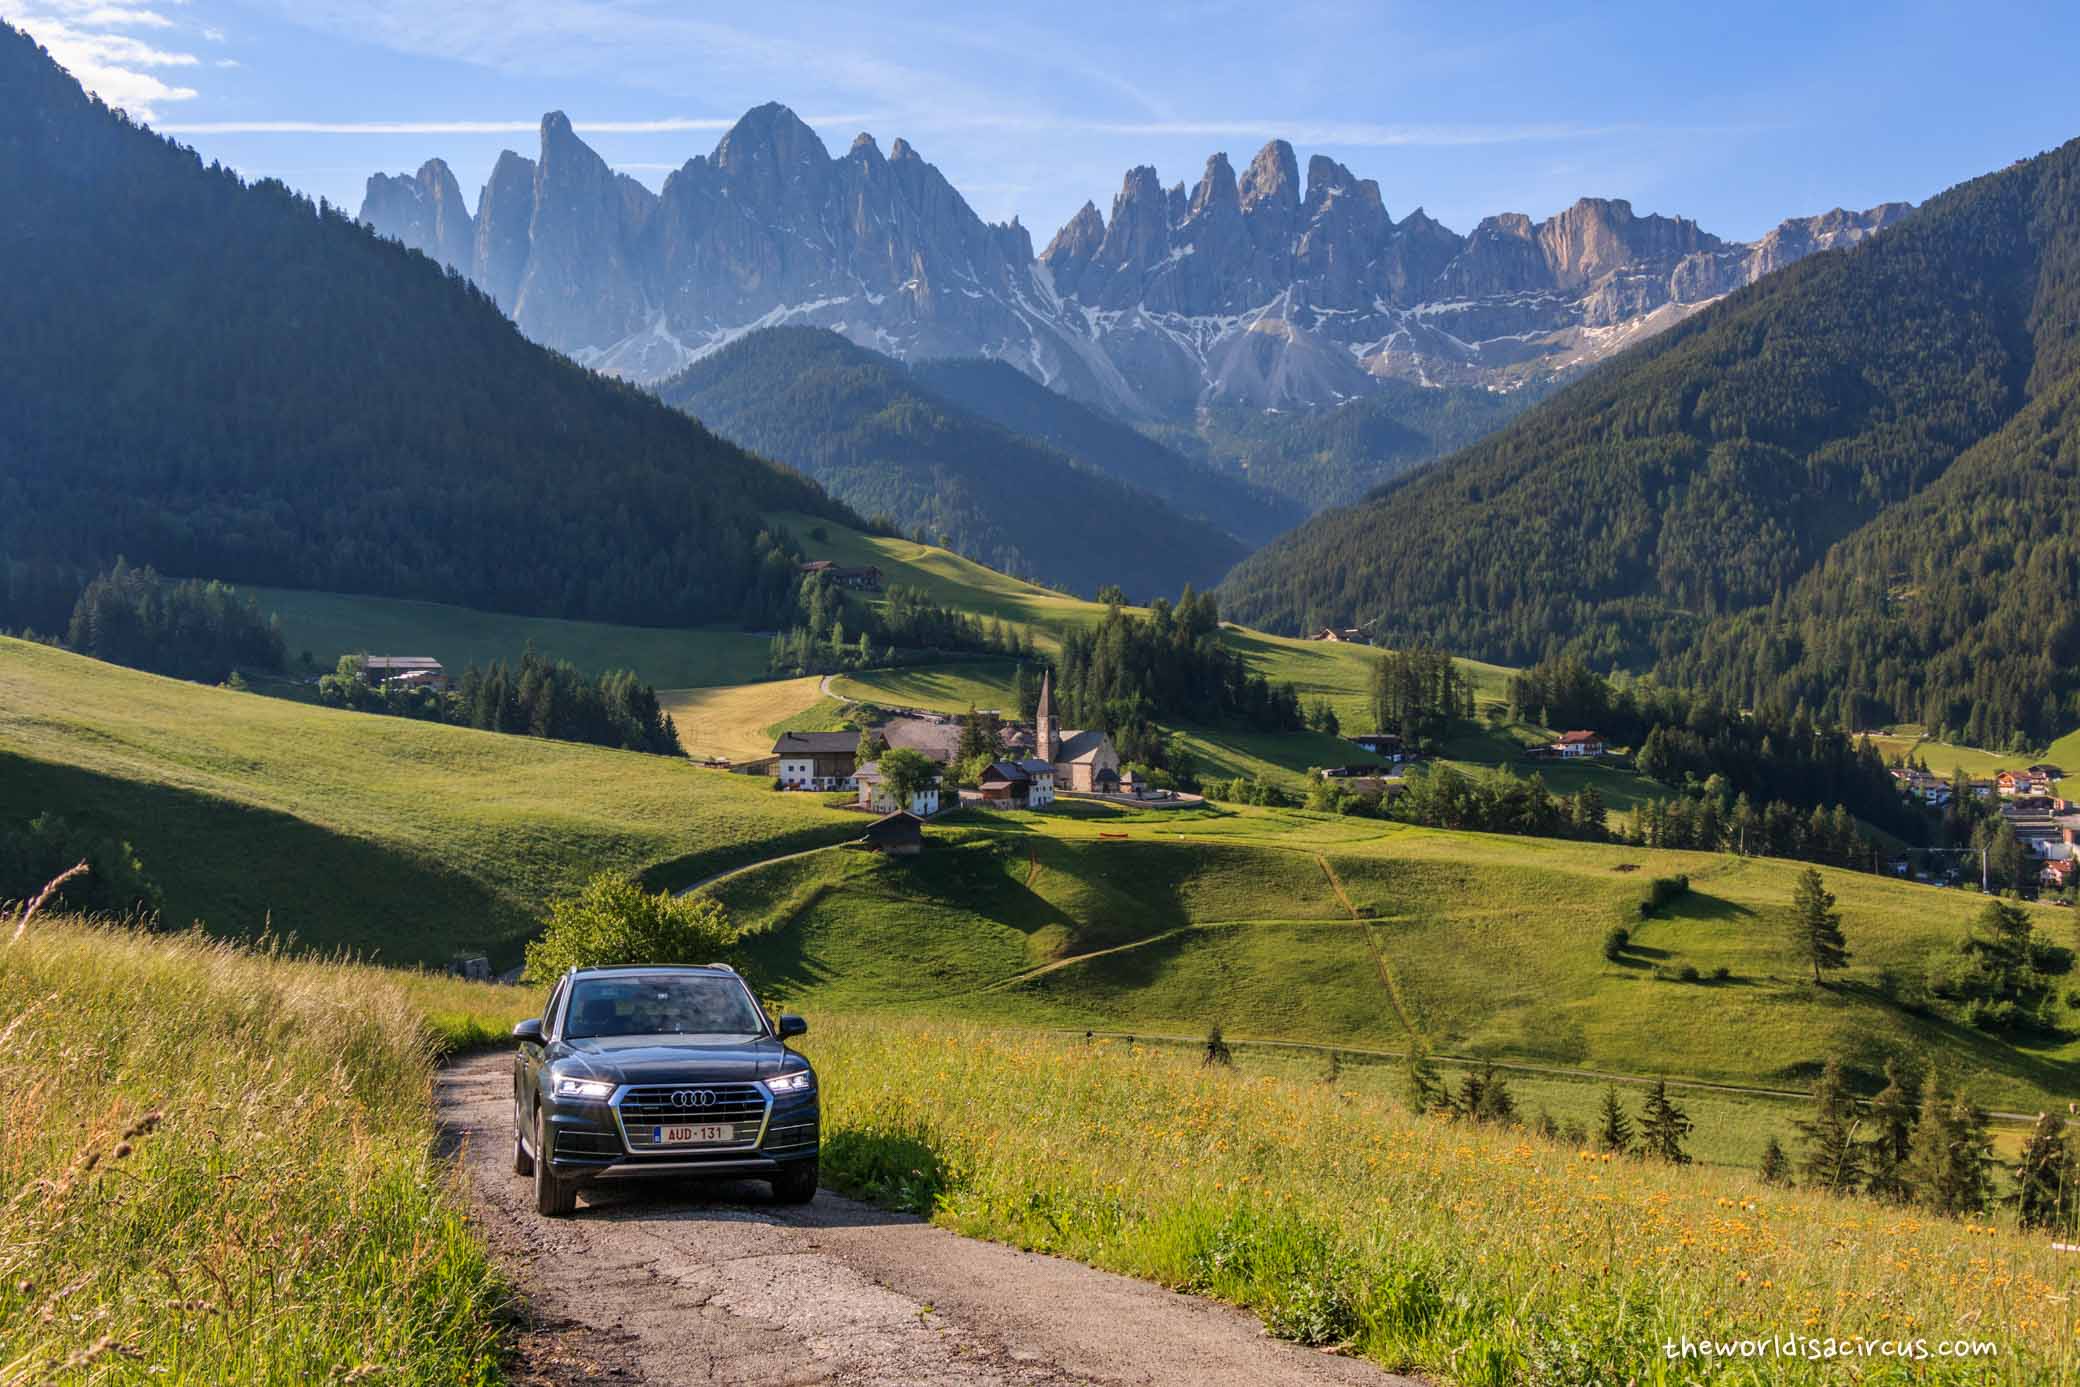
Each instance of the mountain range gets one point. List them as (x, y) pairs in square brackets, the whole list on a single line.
[(1849, 487), (1261, 290)]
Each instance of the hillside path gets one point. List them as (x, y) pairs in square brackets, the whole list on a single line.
[(665, 1283)]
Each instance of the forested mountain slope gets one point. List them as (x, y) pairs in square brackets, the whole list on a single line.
[(222, 380), (863, 426), (1710, 472), (1003, 394)]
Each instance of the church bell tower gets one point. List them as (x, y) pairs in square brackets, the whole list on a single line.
[(1047, 742)]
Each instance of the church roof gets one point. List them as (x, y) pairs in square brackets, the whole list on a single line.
[(1083, 746), (1045, 708)]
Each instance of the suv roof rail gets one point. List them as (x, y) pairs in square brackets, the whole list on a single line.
[(720, 967)]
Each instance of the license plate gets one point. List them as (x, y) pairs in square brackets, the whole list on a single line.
[(693, 1135)]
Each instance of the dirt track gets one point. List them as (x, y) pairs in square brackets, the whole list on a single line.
[(709, 1283)]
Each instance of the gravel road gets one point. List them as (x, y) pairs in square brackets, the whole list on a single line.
[(666, 1283)]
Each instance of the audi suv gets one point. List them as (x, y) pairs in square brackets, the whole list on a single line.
[(640, 1072)]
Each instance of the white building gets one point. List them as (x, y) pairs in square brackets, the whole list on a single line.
[(874, 794)]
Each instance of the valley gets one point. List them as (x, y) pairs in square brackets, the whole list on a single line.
[(1473, 805)]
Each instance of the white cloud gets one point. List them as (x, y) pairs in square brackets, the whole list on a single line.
[(85, 38)]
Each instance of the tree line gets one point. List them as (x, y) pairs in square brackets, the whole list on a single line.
[(538, 697), (833, 630), (188, 629)]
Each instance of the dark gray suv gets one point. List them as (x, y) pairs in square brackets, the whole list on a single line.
[(660, 1071)]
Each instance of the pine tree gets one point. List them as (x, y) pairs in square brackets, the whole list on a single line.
[(1663, 1126), (1421, 1086), (1615, 1133), (2045, 1177), (1496, 1104), (1776, 1166), (1892, 1116), (1833, 1158), (1816, 926), (1951, 1161)]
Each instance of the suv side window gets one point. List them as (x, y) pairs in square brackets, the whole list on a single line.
[(549, 1011)]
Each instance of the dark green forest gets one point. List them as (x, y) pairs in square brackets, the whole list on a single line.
[(223, 380), (1005, 395), (1331, 457), (539, 697), (190, 629), (1779, 500), (859, 423)]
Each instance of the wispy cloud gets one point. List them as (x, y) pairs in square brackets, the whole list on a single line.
[(662, 125), (88, 39)]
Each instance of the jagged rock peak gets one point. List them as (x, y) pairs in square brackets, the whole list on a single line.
[(902, 149), (1216, 187), (1273, 174), (771, 130), (863, 145)]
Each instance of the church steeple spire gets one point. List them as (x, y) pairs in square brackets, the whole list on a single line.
[(1047, 742)]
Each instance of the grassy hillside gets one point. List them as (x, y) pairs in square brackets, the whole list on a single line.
[(1466, 1254), (1284, 925), (240, 1186), (348, 829), (333, 624)]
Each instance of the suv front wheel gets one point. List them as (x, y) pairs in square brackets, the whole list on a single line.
[(796, 1183), (553, 1198)]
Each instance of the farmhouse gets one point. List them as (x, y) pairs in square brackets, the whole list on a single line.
[(1379, 744), (868, 578), (1077, 757), (411, 670), (900, 834), (1027, 784), (2033, 782), (874, 793), (1350, 635), (1573, 744), (815, 760), (1923, 785)]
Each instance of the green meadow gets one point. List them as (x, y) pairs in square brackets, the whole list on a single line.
[(329, 625), (405, 840)]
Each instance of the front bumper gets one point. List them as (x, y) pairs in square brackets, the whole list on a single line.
[(592, 1141)]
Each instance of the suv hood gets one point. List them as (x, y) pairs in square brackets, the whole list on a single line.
[(646, 1059)]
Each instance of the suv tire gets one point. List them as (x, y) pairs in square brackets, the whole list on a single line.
[(523, 1159), (553, 1198), (796, 1182)]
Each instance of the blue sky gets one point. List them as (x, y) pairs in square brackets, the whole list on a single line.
[(1736, 115)]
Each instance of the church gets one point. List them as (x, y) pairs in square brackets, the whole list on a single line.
[(1083, 761)]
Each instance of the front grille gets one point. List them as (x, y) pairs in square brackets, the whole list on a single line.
[(646, 1108)]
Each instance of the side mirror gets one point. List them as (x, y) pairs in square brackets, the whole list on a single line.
[(792, 1025), (529, 1032)]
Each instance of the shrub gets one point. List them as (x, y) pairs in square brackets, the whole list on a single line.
[(613, 920), (1616, 942), (1722, 974), (1662, 890), (1687, 973)]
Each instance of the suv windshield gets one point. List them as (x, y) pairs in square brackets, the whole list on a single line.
[(661, 1004)]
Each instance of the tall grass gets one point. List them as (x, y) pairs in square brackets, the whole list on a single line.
[(216, 1166), (1475, 1255)]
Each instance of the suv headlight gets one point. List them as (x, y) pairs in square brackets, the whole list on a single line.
[(796, 1081), (597, 1089)]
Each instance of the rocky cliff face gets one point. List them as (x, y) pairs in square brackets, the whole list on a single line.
[(424, 211), (1263, 289)]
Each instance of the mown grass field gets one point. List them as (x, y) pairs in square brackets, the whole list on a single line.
[(219, 1168), (1285, 925), (737, 721), (333, 624), (403, 839)]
